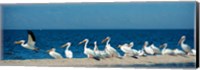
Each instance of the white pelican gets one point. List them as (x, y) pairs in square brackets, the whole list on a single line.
[(131, 44), (155, 49), (178, 52), (68, 53), (128, 51), (87, 51), (52, 52), (186, 48), (100, 54), (148, 50), (31, 42), (165, 50), (109, 49)]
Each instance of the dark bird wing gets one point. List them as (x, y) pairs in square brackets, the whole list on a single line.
[(31, 38)]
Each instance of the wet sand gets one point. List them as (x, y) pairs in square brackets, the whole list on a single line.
[(108, 62)]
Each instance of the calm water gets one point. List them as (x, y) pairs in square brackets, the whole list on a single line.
[(47, 39)]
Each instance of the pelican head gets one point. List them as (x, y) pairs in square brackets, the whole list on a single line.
[(52, 49), (85, 40), (19, 42), (182, 39), (106, 39), (164, 45), (67, 44), (131, 44), (95, 42), (146, 43)]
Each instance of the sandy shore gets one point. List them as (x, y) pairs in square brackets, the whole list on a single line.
[(109, 62)]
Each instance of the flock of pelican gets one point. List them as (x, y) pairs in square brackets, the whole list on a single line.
[(110, 51)]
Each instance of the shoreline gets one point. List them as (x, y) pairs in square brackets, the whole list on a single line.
[(108, 62)]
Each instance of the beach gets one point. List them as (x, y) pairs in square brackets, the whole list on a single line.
[(108, 62)]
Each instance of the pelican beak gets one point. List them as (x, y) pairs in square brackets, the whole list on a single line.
[(17, 42), (104, 40), (144, 45), (48, 51), (161, 46), (81, 42), (63, 46)]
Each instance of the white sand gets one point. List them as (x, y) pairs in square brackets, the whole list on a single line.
[(88, 62)]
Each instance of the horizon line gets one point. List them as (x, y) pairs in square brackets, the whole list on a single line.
[(102, 29)]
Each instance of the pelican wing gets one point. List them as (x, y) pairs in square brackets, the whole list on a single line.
[(126, 49), (89, 52), (31, 38), (69, 54), (56, 55), (155, 49), (187, 48), (167, 51), (114, 51), (178, 52), (149, 50)]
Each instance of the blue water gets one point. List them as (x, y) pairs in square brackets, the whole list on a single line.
[(47, 39)]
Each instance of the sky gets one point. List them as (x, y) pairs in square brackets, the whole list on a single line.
[(132, 15)]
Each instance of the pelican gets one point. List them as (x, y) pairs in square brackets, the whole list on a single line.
[(128, 51), (68, 53), (155, 49), (101, 54), (31, 42), (52, 52), (135, 52), (148, 50), (186, 48), (131, 44), (178, 52), (109, 49), (165, 50), (87, 51)]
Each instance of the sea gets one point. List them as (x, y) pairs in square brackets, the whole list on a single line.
[(47, 39)]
